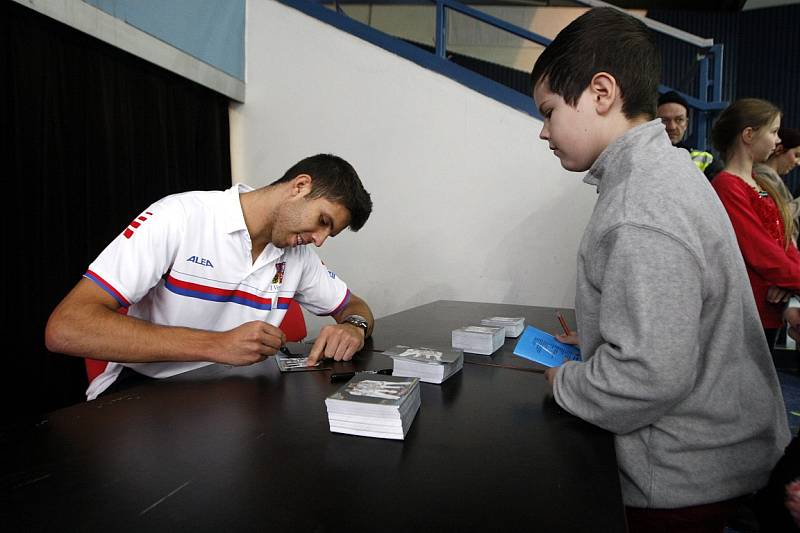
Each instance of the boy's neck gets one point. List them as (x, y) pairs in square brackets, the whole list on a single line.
[(619, 125), (637, 121)]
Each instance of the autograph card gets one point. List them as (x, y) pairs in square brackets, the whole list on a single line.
[(295, 364), (543, 348), (294, 358)]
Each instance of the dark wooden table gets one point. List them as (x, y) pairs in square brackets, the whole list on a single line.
[(249, 449)]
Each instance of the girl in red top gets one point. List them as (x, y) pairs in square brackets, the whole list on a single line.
[(746, 133)]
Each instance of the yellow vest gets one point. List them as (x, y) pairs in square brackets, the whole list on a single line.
[(701, 159)]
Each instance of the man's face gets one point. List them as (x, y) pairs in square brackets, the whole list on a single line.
[(300, 221), (571, 132), (675, 119)]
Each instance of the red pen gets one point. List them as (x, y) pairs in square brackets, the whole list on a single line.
[(563, 322)]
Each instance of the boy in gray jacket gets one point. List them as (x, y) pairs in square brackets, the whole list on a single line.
[(675, 362)]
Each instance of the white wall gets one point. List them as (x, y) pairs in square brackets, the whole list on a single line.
[(468, 203)]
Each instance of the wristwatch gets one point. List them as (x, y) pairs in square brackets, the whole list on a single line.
[(359, 321)]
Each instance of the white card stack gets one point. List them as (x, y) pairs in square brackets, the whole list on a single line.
[(484, 340), (427, 364), (373, 405), (512, 325)]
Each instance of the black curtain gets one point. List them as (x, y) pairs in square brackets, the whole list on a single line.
[(93, 135)]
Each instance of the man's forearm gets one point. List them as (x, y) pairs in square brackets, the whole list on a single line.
[(100, 333)]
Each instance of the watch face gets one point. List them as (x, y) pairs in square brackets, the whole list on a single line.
[(357, 321)]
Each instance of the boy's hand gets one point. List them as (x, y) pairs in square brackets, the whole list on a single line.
[(572, 338), (550, 375)]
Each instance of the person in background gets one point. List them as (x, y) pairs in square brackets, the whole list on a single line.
[(674, 361), (746, 133), (782, 161), (673, 110)]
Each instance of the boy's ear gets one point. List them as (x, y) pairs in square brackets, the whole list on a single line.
[(605, 92)]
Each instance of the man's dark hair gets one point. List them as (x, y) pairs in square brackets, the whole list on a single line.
[(603, 39), (672, 97), (336, 180)]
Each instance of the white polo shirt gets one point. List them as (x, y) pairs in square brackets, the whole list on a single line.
[(186, 261)]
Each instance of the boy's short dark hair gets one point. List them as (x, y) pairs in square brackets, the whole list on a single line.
[(603, 39), (336, 180)]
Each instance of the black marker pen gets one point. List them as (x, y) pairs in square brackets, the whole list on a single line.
[(344, 376)]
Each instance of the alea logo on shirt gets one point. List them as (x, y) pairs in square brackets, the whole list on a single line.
[(200, 261)]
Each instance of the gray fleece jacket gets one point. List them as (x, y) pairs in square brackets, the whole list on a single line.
[(675, 362)]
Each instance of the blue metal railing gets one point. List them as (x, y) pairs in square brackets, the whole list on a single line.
[(441, 24), (709, 58)]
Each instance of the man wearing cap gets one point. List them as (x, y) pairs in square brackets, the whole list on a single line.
[(673, 110)]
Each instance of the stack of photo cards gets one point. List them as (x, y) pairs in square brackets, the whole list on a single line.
[(373, 405), (484, 340), (427, 364), (512, 325), (541, 347)]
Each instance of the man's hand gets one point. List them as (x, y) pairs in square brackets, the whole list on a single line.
[(792, 316), (252, 342), (338, 342)]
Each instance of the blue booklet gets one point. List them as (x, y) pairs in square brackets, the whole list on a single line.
[(543, 348)]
